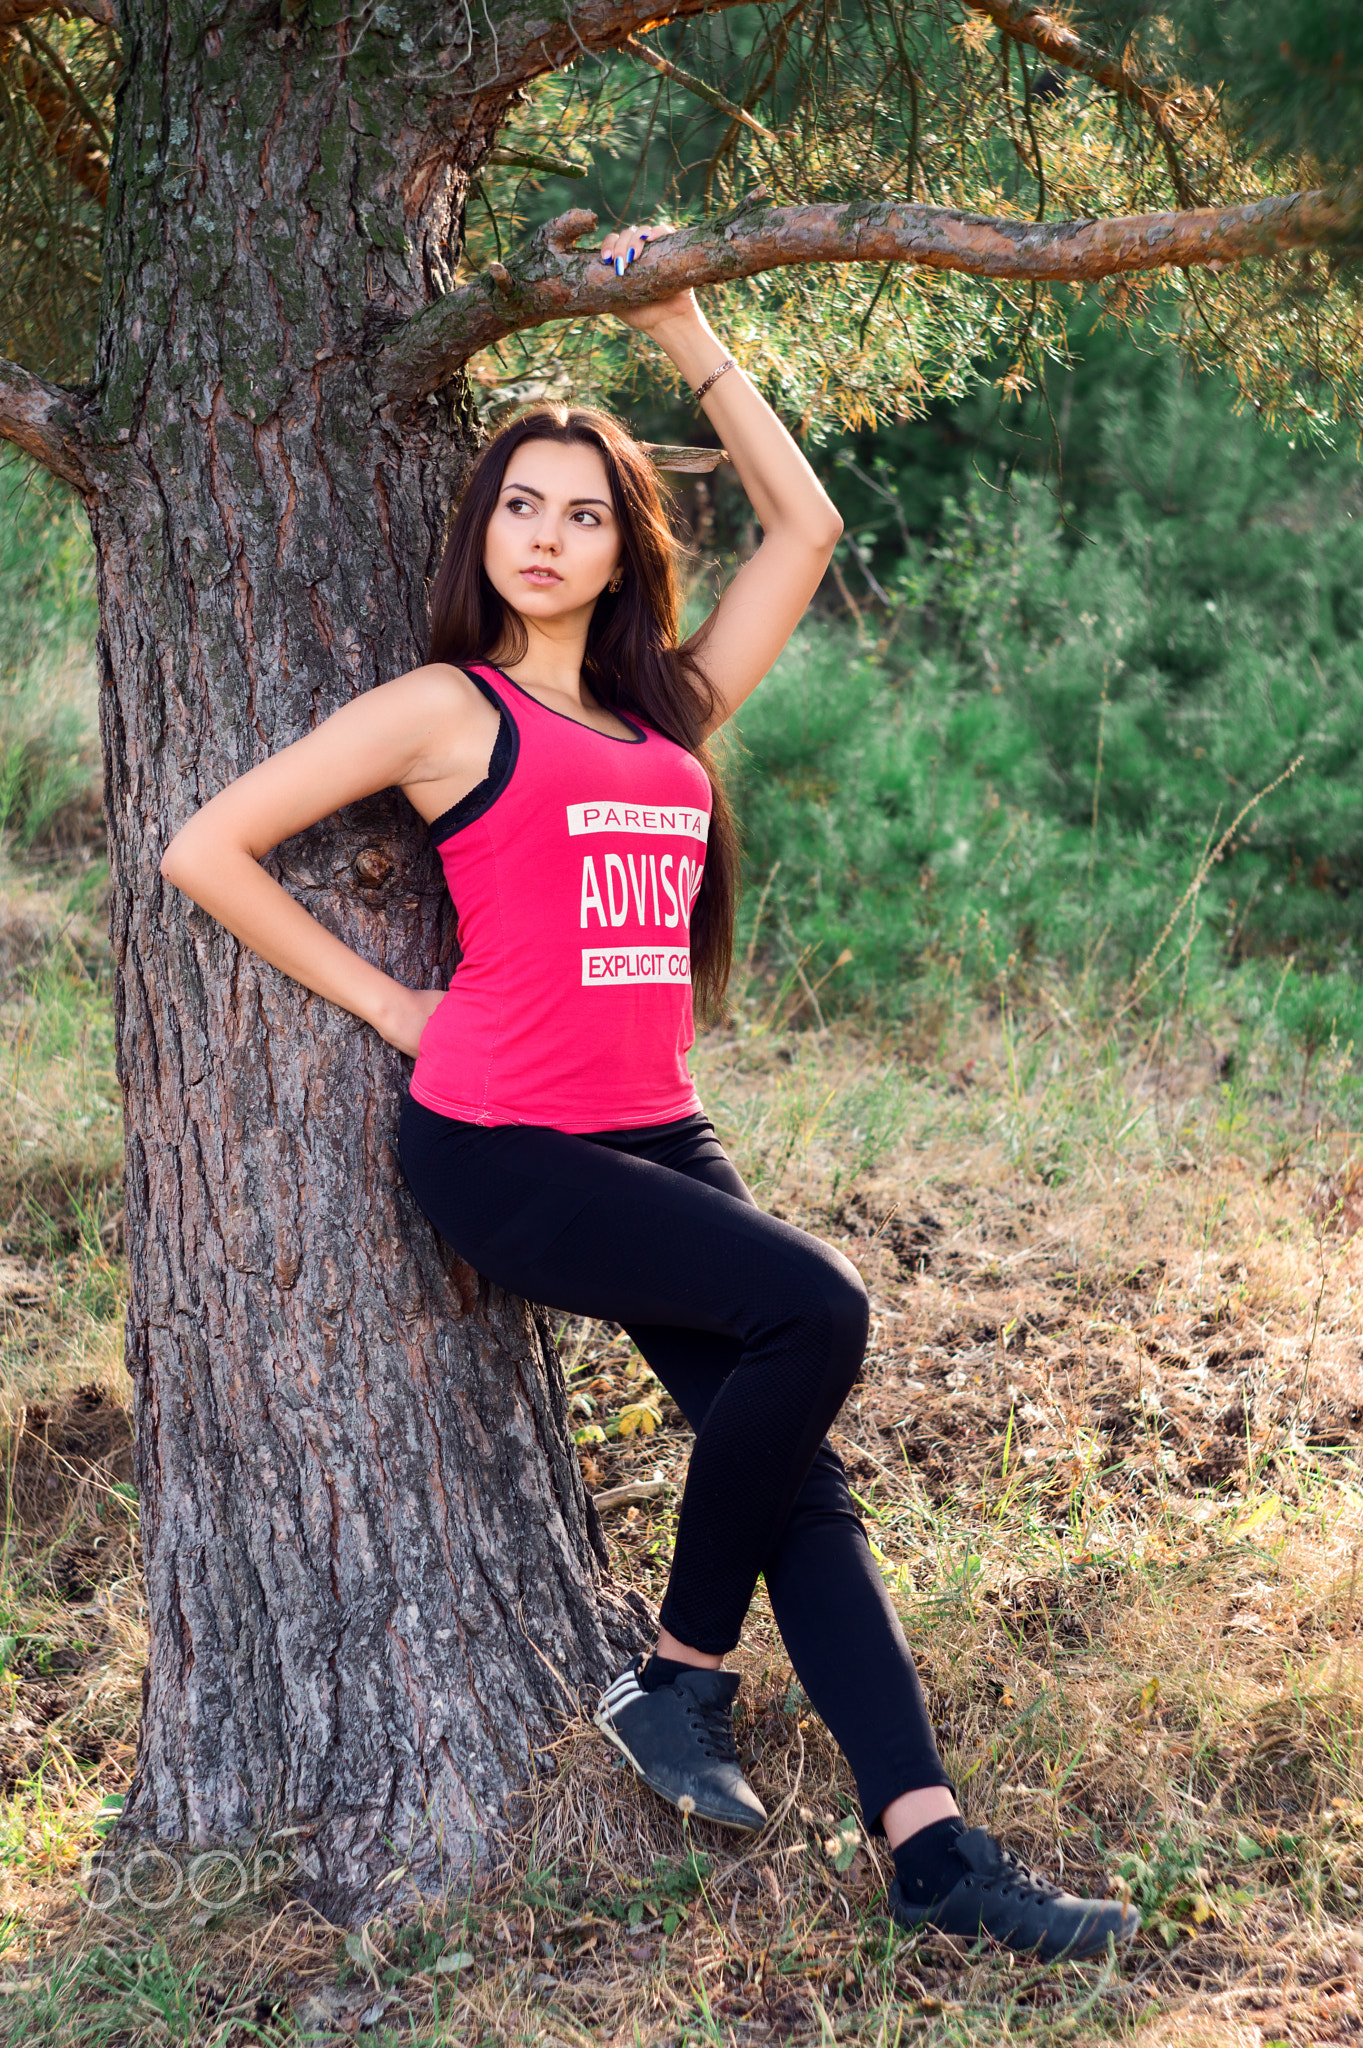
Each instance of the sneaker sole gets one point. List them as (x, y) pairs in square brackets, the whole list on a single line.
[(912, 1919), (684, 1805)]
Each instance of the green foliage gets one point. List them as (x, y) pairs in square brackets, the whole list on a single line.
[(47, 593), (1039, 754), (1285, 75), (1168, 1882), (57, 74), (660, 1903), (110, 1809), (662, 1898), (844, 1844), (1293, 71), (413, 1948), (48, 618), (165, 1995), (896, 97)]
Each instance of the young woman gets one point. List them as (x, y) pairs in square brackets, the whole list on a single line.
[(554, 743)]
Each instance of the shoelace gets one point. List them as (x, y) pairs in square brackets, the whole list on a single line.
[(714, 1724), (1016, 1877)]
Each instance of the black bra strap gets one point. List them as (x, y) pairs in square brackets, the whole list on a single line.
[(484, 794)]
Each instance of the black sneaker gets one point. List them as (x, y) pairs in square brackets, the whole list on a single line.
[(999, 1895), (680, 1739)]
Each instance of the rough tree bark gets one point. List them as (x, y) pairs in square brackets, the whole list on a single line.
[(375, 1582)]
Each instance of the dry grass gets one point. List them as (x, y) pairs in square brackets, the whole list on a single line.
[(1107, 1444)]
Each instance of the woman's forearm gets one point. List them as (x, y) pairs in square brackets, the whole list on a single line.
[(782, 488), (233, 887)]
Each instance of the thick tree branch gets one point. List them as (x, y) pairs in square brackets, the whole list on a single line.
[(41, 419), (546, 280), (1027, 23)]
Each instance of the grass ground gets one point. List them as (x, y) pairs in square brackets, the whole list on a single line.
[(1108, 1448)]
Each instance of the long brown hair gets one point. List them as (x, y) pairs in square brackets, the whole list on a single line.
[(633, 662)]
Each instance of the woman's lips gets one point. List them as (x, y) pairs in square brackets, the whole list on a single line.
[(541, 575)]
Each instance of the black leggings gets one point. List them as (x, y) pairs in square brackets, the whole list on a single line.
[(757, 1331)]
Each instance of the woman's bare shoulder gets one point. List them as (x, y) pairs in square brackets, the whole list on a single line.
[(451, 721), (434, 682), (415, 728)]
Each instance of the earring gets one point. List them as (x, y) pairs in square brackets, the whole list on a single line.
[(616, 580)]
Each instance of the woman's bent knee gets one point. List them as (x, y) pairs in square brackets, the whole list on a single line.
[(844, 1310)]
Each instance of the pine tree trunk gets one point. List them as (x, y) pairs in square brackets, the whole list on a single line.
[(375, 1581)]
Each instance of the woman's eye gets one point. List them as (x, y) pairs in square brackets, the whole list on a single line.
[(519, 505), (590, 517)]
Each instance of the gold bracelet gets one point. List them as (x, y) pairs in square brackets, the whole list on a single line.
[(713, 377)]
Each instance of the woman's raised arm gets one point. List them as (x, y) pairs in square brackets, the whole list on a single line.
[(800, 524), (371, 743)]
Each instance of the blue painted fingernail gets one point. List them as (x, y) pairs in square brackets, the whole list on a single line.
[(619, 266), (630, 257), (608, 259)]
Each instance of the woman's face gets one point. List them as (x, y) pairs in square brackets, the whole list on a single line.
[(553, 540)]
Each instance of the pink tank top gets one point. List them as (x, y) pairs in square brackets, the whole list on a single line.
[(574, 868)]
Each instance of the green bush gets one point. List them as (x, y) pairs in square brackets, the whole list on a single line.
[(1030, 754)]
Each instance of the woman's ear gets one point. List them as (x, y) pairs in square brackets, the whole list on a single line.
[(616, 577)]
